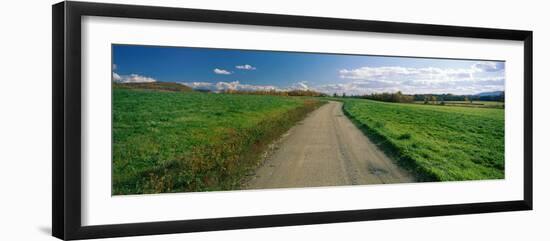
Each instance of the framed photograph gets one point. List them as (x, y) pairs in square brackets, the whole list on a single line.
[(169, 120)]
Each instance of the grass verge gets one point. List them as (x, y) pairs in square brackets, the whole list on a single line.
[(183, 142), (436, 143)]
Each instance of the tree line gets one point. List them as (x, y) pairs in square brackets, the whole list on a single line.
[(451, 97), (399, 97)]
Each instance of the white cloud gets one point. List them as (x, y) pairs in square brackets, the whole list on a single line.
[(479, 77), (221, 71), (488, 66), (359, 87), (392, 74), (132, 78), (245, 67), (302, 85), (237, 85), (116, 77), (198, 85), (222, 86), (234, 85)]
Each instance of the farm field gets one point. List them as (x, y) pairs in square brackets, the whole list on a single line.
[(193, 119), (479, 104), (189, 141), (437, 143)]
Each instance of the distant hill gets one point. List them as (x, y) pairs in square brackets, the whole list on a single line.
[(493, 93), (161, 86)]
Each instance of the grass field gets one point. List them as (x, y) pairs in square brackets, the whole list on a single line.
[(437, 143), (188, 141)]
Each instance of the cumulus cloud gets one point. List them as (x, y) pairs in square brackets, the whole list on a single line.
[(132, 78), (198, 85), (412, 87), (221, 71), (488, 66), (116, 77), (245, 67), (223, 86), (302, 85), (479, 77), (237, 85), (393, 74)]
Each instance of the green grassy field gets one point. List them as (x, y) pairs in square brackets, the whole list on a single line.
[(437, 143), (188, 141)]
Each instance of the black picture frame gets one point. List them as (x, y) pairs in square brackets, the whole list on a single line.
[(66, 128)]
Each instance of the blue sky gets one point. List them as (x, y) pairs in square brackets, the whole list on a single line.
[(219, 69)]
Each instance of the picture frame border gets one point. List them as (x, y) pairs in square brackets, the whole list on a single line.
[(66, 119)]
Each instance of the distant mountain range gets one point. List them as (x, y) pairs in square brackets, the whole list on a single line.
[(493, 93)]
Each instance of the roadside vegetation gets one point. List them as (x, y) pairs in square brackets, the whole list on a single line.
[(167, 140), (437, 143)]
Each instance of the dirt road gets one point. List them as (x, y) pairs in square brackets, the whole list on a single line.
[(326, 149)]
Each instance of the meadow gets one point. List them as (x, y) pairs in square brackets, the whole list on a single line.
[(168, 140), (437, 143)]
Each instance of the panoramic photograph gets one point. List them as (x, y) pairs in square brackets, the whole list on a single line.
[(189, 119)]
